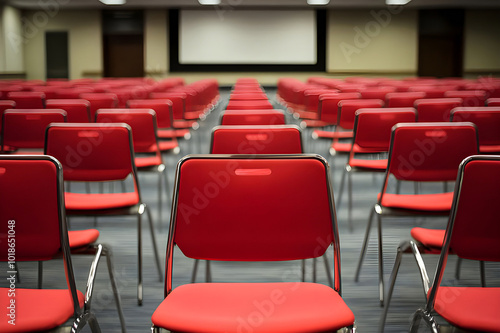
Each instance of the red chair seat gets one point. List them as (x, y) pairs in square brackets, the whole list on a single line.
[(255, 307), (149, 161), (38, 309), (369, 164), (471, 308), (307, 115), (487, 149), (96, 201), (167, 145), (81, 238), (434, 202), (333, 135), (345, 147), (184, 123), (172, 133), (315, 123), (430, 238), (195, 115)]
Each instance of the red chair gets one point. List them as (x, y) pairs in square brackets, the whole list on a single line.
[(402, 99), (277, 139), (433, 91), (100, 101), (493, 102), (39, 233), (345, 122), (178, 100), (248, 105), (78, 110), (252, 117), (472, 233), (469, 97), (97, 153), (72, 93), (248, 96), (487, 120), (166, 133), (372, 136), (376, 92), (5, 105), (212, 233), (423, 152), (328, 114), (28, 99), (436, 109), (25, 129), (146, 148)]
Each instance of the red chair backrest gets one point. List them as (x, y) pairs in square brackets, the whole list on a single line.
[(25, 128), (486, 119), (403, 99), (256, 140), (475, 232), (376, 92), (248, 105), (5, 105), (178, 100), (78, 110), (100, 101), (329, 105), (253, 117), (436, 109), (430, 151), (373, 126), (27, 99), (493, 102), (92, 152), (215, 219), (348, 108), (31, 212), (469, 97), (162, 107), (141, 121)]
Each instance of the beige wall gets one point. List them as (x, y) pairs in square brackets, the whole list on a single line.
[(85, 42), (11, 41), (156, 43), (359, 42), (482, 42), (372, 42)]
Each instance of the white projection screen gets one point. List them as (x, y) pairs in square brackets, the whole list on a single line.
[(254, 37)]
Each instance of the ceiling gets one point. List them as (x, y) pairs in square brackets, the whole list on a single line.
[(235, 4)]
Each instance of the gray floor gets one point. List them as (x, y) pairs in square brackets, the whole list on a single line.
[(362, 297)]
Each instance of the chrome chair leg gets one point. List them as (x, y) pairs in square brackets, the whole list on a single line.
[(108, 254), (349, 206), (195, 270), (380, 261), (364, 246), (401, 249), (139, 259), (457, 269), (208, 273), (153, 240), (40, 274), (483, 274), (327, 269)]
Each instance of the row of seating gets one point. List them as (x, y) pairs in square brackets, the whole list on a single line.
[(265, 214), (83, 152)]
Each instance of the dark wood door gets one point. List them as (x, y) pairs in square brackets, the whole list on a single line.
[(123, 55), (440, 49)]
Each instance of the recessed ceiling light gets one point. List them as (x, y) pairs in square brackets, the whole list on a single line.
[(318, 2), (209, 2), (113, 2), (396, 2)]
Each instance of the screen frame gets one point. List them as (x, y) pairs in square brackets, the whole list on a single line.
[(175, 66)]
